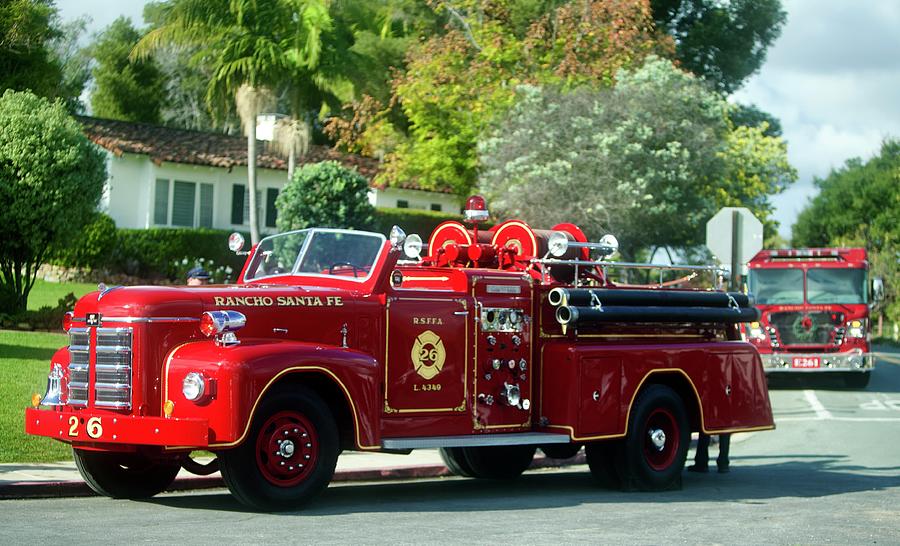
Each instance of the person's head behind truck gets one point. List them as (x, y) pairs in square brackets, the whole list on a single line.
[(197, 276)]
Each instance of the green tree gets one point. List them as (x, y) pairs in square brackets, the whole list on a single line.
[(130, 89), (749, 115), (859, 205), (325, 194), (289, 45), (458, 83), (723, 41), (37, 53), (650, 160), (51, 179)]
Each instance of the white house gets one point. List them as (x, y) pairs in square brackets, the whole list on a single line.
[(165, 177)]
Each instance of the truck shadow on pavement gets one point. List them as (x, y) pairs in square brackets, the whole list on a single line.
[(752, 479)]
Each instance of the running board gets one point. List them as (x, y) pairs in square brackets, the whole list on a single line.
[(476, 440)]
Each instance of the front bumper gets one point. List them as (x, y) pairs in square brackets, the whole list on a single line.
[(85, 427), (778, 363)]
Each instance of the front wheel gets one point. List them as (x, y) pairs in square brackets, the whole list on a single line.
[(498, 462), (125, 475), (289, 455), (857, 380), (655, 448)]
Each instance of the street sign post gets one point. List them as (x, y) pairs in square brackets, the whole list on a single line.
[(734, 235)]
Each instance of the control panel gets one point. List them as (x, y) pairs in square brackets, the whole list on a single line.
[(503, 370)]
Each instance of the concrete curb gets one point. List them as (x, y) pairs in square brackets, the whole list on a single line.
[(66, 489)]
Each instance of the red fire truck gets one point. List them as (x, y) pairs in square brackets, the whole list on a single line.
[(493, 343), (814, 305)]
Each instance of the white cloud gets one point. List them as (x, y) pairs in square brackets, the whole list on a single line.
[(832, 80)]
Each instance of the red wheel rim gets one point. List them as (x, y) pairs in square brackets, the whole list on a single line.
[(287, 448), (661, 439)]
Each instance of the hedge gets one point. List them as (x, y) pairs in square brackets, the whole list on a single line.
[(161, 252), (421, 222)]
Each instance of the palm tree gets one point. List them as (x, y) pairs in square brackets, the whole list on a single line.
[(253, 43)]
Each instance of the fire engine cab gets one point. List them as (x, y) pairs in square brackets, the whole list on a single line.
[(486, 344), (814, 305)]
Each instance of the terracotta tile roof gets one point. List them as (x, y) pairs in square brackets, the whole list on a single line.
[(203, 148)]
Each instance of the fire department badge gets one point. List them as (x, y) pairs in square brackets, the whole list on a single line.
[(428, 354)]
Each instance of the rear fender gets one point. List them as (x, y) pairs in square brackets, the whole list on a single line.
[(239, 377)]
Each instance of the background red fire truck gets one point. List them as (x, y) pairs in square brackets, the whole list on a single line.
[(814, 305), (492, 344)]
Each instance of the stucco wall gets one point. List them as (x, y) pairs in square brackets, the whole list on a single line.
[(132, 179)]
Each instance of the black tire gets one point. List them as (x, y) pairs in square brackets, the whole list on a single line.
[(295, 428), (455, 460), (125, 475), (602, 459), (561, 451), (498, 462), (656, 446), (857, 380)]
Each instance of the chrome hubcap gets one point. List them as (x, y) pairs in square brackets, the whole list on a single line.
[(286, 449), (657, 438)]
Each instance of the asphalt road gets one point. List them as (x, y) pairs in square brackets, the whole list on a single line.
[(829, 473)]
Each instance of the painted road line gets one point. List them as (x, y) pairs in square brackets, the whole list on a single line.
[(848, 419), (813, 401), (892, 358)]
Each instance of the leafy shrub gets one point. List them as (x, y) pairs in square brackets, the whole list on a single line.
[(91, 247), (325, 194), (45, 318), (218, 273), (153, 252), (421, 222)]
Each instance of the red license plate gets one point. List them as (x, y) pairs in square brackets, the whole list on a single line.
[(805, 362)]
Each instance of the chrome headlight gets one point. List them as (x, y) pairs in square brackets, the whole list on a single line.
[(193, 387)]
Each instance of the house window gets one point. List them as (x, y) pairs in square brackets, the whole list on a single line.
[(161, 203), (436, 207), (271, 211), (237, 204), (240, 204), (183, 201), (206, 205), (183, 204), (402, 204)]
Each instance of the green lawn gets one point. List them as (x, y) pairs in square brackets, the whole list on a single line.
[(24, 365), (48, 293)]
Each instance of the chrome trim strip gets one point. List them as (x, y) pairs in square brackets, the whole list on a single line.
[(476, 440), (112, 367), (113, 349), (112, 386), (119, 405), (132, 320)]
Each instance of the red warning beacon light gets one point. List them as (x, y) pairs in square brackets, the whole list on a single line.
[(476, 209)]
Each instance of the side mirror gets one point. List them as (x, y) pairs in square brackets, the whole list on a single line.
[(877, 289), (236, 243)]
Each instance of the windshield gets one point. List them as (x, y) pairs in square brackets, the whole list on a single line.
[(329, 252), (836, 286), (785, 286), (775, 286)]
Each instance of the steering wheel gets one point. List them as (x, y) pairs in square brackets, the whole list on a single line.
[(345, 264)]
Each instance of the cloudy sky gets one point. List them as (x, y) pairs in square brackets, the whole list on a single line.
[(832, 78)]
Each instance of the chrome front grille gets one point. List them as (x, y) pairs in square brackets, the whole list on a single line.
[(112, 387)]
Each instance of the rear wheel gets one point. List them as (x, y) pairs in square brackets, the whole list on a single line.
[(498, 462), (602, 459), (857, 380), (455, 460), (655, 448), (289, 455), (125, 475)]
